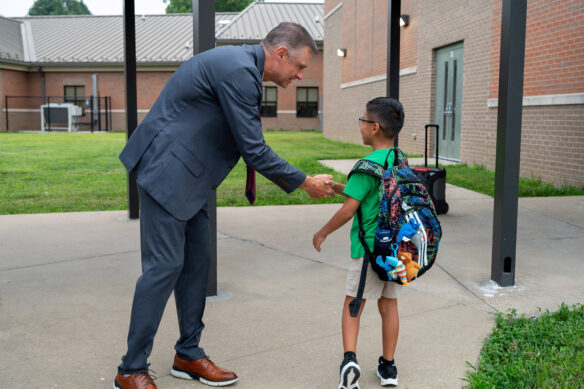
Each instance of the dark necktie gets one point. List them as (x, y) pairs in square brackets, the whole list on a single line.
[(250, 185)]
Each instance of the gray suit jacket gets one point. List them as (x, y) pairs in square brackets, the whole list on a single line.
[(205, 118)]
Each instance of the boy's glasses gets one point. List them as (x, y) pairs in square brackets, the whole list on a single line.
[(361, 120)]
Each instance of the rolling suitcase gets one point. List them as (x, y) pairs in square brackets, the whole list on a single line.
[(433, 178)]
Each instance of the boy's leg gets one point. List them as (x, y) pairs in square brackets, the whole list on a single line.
[(350, 326), (389, 325), (386, 370), (350, 370)]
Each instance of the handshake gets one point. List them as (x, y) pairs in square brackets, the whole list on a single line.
[(319, 186)]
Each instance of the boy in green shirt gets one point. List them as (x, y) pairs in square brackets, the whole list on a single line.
[(380, 124)]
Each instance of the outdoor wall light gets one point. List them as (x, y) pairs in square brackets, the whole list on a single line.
[(342, 52), (404, 20)]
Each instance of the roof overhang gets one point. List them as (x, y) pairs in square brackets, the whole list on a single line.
[(87, 66)]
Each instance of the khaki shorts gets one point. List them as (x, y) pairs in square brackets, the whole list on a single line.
[(374, 287)]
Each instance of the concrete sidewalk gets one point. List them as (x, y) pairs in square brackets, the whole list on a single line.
[(67, 280)]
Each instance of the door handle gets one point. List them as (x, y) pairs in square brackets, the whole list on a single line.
[(449, 109)]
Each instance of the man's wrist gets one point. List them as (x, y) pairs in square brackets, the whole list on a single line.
[(306, 183)]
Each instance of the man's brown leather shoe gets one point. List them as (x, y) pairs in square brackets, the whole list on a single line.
[(203, 370), (140, 380)]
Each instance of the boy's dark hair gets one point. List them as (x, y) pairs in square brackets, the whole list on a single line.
[(388, 113), (291, 35)]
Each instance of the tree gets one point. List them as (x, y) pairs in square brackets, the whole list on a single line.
[(231, 5), (186, 6), (58, 7)]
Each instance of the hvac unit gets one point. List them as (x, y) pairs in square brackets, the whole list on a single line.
[(64, 114)]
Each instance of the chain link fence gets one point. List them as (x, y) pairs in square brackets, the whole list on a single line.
[(54, 113)]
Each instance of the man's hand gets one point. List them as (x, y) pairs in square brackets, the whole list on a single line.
[(318, 187)]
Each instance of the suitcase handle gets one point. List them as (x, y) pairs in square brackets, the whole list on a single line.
[(426, 144)]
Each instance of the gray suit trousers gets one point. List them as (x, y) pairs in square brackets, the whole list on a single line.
[(175, 256)]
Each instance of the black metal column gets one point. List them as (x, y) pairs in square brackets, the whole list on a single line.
[(393, 32), (393, 35), (131, 96), (508, 141), (203, 40)]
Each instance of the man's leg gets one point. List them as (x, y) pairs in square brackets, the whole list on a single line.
[(162, 243), (191, 288), (190, 361)]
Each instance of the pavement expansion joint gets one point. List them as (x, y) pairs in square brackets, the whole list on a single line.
[(258, 243), (69, 260)]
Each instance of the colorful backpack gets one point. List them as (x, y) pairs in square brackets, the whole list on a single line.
[(408, 230)]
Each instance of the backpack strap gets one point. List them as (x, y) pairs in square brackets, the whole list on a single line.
[(387, 157), (355, 305), (399, 157), (368, 167)]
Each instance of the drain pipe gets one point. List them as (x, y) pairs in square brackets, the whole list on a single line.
[(43, 86)]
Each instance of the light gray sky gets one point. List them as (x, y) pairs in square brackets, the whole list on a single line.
[(15, 8)]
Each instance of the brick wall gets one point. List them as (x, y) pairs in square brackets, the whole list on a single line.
[(149, 85), (364, 35), (329, 5), (552, 144), (289, 121), (344, 105), (552, 140), (554, 47), (13, 83), (559, 126)]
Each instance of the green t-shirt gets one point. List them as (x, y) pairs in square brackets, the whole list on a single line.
[(365, 188)]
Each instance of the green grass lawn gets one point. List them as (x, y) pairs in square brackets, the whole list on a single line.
[(63, 172), (546, 352), (481, 180), (302, 149)]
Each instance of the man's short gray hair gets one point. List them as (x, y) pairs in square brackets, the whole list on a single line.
[(291, 35)]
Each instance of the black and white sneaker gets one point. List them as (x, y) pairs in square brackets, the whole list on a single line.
[(350, 372), (387, 372)]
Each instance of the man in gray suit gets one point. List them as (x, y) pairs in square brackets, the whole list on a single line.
[(205, 119)]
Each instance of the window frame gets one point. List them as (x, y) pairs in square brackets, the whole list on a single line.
[(76, 99), (303, 106), (269, 103)]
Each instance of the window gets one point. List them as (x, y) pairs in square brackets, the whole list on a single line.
[(306, 102), (269, 108), (76, 94)]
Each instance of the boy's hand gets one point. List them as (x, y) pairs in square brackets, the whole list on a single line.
[(338, 188), (317, 240)]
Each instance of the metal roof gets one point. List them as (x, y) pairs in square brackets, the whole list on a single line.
[(254, 22), (79, 39), (99, 39), (224, 18), (11, 42)]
